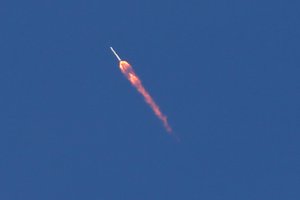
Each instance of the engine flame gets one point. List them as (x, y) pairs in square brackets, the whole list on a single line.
[(129, 73)]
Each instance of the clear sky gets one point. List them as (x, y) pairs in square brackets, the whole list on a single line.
[(226, 73)]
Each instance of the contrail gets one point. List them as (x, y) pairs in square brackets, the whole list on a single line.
[(129, 73)]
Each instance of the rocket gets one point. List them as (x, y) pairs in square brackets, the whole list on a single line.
[(118, 57), (129, 73)]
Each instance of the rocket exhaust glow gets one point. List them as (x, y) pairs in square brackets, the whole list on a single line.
[(129, 73)]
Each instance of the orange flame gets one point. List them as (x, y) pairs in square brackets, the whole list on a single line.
[(136, 82)]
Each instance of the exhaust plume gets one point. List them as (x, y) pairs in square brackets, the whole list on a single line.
[(129, 73)]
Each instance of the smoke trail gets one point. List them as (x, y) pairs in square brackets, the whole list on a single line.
[(136, 82)]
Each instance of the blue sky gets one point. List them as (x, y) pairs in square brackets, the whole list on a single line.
[(226, 73)]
